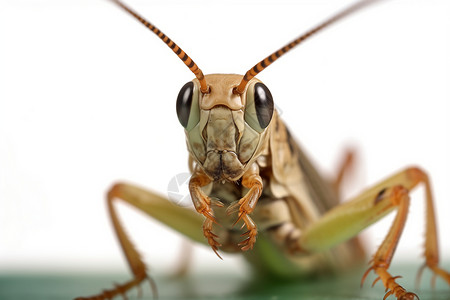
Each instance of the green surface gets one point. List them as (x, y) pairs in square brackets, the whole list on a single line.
[(217, 286)]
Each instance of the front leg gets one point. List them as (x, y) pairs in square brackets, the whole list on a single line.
[(202, 204), (246, 205)]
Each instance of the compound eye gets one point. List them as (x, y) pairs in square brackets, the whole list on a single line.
[(187, 106), (259, 107)]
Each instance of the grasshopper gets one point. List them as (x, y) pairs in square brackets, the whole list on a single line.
[(255, 191)]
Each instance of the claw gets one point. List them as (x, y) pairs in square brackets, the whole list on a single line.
[(365, 275), (392, 288), (436, 271), (208, 215), (216, 202), (247, 243), (419, 274), (139, 290), (239, 218), (375, 281), (153, 287), (244, 242), (245, 233), (122, 289), (387, 295), (393, 278), (210, 236), (234, 207), (247, 247), (433, 281), (215, 249)]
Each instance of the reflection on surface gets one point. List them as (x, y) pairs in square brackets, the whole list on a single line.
[(217, 286)]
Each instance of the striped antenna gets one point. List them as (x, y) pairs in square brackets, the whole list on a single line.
[(274, 56), (171, 44)]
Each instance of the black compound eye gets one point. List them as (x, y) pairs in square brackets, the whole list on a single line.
[(263, 104), (187, 106), (259, 107), (184, 102)]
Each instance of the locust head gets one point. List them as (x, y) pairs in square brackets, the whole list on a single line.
[(225, 131), (226, 116)]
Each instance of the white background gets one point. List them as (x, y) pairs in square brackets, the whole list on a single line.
[(87, 98)]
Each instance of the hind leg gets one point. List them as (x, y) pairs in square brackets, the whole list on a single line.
[(181, 219), (345, 169), (348, 219)]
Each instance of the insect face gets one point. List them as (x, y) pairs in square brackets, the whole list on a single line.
[(225, 130)]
